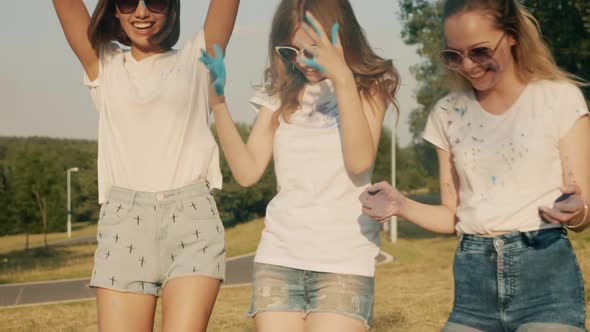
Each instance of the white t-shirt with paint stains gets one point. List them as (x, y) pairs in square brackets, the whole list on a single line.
[(508, 164)]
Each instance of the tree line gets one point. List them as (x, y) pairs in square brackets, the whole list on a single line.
[(33, 183)]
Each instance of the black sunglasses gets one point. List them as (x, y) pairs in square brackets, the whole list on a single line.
[(483, 56), (129, 6)]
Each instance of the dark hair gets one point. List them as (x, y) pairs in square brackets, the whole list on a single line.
[(104, 26), (373, 74)]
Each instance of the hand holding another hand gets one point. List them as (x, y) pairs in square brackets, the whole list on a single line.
[(381, 201)]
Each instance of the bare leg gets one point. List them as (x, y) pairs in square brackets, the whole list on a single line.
[(120, 311), (187, 303), (279, 321), (332, 322)]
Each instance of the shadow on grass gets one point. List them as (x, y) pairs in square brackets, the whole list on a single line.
[(407, 230), (389, 321), (41, 258)]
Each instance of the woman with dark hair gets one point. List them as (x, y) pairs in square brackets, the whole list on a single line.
[(320, 114), (159, 231), (513, 144)]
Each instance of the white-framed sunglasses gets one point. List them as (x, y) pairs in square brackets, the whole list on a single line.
[(290, 53)]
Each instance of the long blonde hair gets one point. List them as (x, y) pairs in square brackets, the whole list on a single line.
[(531, 55), (373, 74)]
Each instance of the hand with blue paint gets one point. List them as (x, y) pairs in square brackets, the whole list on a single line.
[(328, 55), (216, 69)]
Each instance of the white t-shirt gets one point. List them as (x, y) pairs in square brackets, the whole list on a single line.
[(508, 164), (315, 221), (153, 132)]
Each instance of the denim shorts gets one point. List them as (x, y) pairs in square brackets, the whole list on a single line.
[(145, 239), (527, 281), (283, 289)]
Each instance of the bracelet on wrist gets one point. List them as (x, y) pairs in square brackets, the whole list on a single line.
[(582, 222)]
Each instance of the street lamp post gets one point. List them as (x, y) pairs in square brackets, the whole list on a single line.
[(70, 170)]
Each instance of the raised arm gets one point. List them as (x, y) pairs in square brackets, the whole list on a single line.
[(219, 23), (74, 20), (360, 118)]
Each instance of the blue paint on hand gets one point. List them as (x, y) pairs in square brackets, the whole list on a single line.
[(313, 25), (312, 63), (216, 68), (335, 29), (494, 179)]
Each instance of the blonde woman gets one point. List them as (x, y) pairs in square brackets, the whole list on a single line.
[(513, 143), (320, 115)]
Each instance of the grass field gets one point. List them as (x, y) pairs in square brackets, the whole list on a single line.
[(17, 242), (413, 293), (64, 262)]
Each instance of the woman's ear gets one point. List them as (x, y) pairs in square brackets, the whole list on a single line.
[(512, 40)]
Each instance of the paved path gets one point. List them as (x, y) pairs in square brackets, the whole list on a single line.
[(238, 272)]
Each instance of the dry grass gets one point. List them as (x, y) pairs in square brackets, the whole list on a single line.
[(229, 315), (17, 242), (77, 261), (47, 264), (413, 293), (243, 238)]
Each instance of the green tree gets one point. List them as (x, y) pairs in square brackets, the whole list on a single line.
[(565, 25), (382, 169), (35, 174)]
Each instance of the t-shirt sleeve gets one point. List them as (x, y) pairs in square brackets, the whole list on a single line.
[(190, 54), (434, 131), (189, 57), (105, 55), (262, 99), (570, 107)]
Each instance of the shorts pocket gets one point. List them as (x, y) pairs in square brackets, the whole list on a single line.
[(200, 207), (114, 212)]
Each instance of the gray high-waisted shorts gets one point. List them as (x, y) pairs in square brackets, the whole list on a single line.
[(148, 238)]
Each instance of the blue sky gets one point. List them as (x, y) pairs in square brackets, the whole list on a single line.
[(41, 80)]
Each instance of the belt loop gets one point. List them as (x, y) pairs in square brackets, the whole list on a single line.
[(460, 240), (529, 239), (131, 198)]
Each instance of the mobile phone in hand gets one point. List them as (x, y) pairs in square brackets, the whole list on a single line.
[(563, 197)]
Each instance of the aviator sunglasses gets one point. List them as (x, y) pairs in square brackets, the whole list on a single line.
[(129, 6), (483, 56)]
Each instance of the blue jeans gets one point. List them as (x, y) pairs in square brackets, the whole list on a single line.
[(283, 289), (527, 281)]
